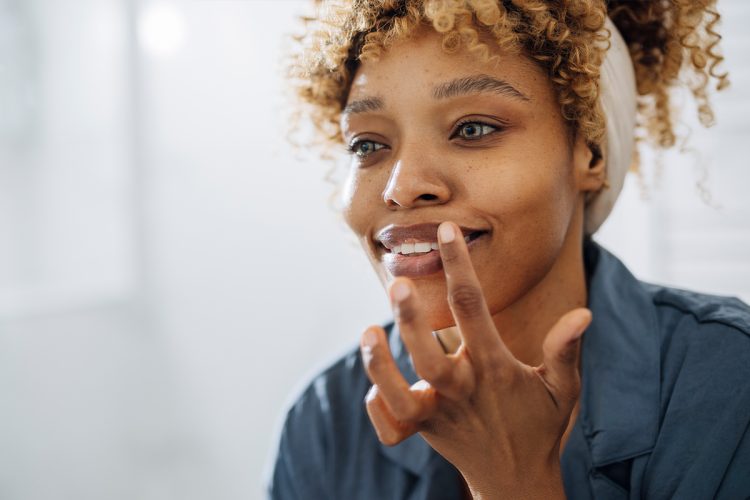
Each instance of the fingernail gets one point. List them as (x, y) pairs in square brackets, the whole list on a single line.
[(400, 291), (369, 338), (446, 233)]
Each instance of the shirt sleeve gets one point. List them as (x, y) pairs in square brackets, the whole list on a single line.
[(299, 468)]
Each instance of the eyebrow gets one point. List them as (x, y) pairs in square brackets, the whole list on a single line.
[(476, 84), (364, 104)]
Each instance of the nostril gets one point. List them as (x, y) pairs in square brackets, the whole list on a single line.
[(428, 197)]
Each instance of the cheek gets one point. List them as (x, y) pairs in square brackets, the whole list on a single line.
[(527, 202), (535, 188), (542, 199), (352, 197), (360, 204), (361, 201), (531, 209)]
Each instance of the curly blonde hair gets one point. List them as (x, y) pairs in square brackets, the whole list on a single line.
[(671, 42)]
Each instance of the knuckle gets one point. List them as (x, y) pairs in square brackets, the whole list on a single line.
[(405, 314), (450, 255), (568, 355), (502, 371), (495, 360), (407, 411), (372, 398), (465, 387), (370, 402), (390, 437), (466, 299), (373, 362), (438, 374)]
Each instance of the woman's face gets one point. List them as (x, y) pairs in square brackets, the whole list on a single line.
[(438, 137)]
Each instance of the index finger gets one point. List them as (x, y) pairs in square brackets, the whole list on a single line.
[(465, 296)]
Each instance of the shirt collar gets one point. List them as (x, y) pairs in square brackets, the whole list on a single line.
[(619, 362)]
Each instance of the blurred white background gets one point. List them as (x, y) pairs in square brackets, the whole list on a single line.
[(171, 272)]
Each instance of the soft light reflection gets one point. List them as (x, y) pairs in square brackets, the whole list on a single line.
[(161, 29)]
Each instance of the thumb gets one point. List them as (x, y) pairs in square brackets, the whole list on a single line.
[(560, 350)]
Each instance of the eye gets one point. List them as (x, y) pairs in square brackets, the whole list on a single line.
[(364, 148), (474, 130)]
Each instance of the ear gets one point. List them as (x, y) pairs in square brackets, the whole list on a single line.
[(589, 166)]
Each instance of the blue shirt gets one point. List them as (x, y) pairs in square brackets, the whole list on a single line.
[(664, 408)]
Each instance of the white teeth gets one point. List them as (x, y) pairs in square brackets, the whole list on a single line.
[(412, 248), (422, 247)]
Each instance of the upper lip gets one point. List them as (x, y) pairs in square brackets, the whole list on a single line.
[(394, 235)]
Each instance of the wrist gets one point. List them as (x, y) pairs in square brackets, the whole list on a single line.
[(523, 485)]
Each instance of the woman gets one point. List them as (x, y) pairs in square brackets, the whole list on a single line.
[(488, 142)]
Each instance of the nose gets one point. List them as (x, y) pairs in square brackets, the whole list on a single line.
[(416, 180)]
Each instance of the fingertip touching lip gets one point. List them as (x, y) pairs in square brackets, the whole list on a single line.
[(394, 235)]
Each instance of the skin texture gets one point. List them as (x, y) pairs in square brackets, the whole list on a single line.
[(498, 408)]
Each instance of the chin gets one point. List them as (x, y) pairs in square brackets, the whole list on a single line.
[(433, 300)]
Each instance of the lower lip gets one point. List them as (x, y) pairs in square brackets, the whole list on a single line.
[(414, 266)]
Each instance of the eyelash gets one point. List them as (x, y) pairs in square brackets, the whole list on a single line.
[(352, 147), (481, 124)]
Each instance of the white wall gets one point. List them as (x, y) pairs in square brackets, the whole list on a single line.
[(172, 273)]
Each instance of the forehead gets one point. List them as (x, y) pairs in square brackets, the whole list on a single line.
[(421, 65)]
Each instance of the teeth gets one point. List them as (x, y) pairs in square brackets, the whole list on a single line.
[(422, 247), (411, 248)]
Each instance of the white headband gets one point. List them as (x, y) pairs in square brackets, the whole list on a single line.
[(618, 100)]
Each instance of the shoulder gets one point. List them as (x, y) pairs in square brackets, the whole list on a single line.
[(704, 340), (706, 309), (323, 426), (334, 392), (334, 395), (704, 343), (703, 329)]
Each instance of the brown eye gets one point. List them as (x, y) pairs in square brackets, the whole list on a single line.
[(474, 130)]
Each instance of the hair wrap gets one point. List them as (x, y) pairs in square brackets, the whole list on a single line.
[(618, 100)]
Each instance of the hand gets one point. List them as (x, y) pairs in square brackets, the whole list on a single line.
[(496, 419)]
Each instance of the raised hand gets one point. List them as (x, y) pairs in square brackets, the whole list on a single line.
[(499, 421)]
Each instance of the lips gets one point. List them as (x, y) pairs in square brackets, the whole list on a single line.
[(412, 241)]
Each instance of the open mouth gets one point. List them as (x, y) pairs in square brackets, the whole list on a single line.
[(419, 248), (413, 251)]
